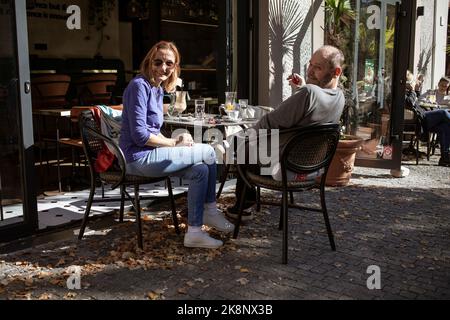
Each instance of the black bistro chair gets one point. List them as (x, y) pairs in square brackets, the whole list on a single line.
[(93, 143), (419, 134), (307, 150)]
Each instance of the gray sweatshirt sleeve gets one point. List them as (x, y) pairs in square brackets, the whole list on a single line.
[(289, 113)]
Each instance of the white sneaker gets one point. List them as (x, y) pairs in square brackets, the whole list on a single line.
[(218, 222), (201, 240)]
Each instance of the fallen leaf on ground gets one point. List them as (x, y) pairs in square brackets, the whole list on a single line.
[(243, 281), (29, 282), (152, 295), (182, 290), (244, 270), (70, 295), (45, 296), (61, 262)]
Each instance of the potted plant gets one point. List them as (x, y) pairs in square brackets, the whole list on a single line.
[(341, 167), (339, 18)]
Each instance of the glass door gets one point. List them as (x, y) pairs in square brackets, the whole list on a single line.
[(382, 49), (18, 209)]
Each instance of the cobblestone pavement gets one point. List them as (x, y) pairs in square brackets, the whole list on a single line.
[(400, 225)]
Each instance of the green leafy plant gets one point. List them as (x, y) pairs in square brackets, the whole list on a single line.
[(339, 17)]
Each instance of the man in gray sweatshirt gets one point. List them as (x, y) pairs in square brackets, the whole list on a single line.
[(318, 101)]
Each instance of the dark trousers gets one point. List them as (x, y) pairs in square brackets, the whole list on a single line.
[(439, 121)]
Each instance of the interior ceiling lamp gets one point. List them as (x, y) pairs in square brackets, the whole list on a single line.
[(135, 10)]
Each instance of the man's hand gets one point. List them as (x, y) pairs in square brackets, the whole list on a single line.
[(184, 140), (296, 81)]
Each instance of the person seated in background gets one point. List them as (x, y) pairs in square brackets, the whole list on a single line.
[(419, 84), (149, 153), (440, 94), (318, 101), (437, 121)]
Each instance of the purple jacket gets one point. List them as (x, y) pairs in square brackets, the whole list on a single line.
[(142, 115)]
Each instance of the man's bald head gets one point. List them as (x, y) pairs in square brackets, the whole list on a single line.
[(325, 67)]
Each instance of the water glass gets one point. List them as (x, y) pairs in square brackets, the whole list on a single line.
[(230, 100), (199, 109), (243, 104)]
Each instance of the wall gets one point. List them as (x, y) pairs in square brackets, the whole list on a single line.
[(431, 32), (286, 44), (441, 16), (47, 25)]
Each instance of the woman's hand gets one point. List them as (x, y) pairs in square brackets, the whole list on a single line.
[(184, 140), (296, 81)]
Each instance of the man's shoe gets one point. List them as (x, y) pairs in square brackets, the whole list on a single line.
[(233, 212), (218, 222), (444, 162), (201, 240)]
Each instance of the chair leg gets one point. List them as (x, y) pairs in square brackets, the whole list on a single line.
[(1, 200), (137, 206), (172, 203), (58, 166), (285, 227), (280, 223), (241, 209), (122, 202), (291, 195), (223, 180), (417, 150), (88, 209), (258, 199), (327, 220)]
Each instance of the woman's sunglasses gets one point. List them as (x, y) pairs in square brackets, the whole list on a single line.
[(158, 63)]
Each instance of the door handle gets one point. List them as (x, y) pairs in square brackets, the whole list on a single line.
[(27, 87)]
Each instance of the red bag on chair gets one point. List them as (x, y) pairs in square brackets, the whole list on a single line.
[(105, 159)]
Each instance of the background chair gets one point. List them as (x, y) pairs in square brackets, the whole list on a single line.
[(415, 129), (93, 143), (307, 150)]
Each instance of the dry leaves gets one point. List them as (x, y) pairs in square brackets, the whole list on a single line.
[(45, 296), (182, 290), (70, 296), (153, 295), (243, 281)]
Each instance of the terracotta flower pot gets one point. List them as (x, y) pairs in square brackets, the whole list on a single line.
[(341, 167)]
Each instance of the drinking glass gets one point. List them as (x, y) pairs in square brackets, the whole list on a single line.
[(432, 97), (199, 109), (171, 111), (230, 100), (243, 104), (180, 102)]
